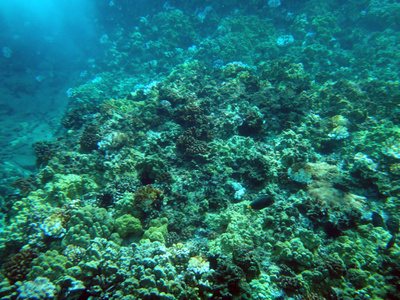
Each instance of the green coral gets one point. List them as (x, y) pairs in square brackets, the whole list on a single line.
[(86, 224), (128, 225), (66, 187), (51, 265), (157, 230), (25, 212)]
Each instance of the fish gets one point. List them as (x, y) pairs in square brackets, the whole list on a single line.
[(377, 220), (393, 225), (261, 202), (391, 242)]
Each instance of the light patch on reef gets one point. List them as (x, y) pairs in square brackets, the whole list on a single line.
[(391, 147), (364, 161), (52, 226), (198, 264), (113, 140), (319, 178), (240, 190)]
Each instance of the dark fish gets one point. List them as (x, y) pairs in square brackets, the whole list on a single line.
[(261, 202), (393, 225), (391, 242), (377, 220)]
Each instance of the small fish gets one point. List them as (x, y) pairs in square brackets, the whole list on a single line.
[(391, 242), (377, 220), (261, 202), (393, 225)]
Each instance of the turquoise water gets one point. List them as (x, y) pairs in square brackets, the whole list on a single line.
[(200, 150)]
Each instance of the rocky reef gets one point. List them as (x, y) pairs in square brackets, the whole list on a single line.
[(146, 193)]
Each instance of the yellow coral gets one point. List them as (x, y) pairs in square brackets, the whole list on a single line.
[(339, 120), (198, 264)]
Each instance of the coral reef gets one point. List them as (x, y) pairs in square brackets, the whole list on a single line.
[(25, 185), (148, 198), (44, 152), (18, 265), (90, 139), (196, 112), (113, 140), (127, 225), (40, 288)]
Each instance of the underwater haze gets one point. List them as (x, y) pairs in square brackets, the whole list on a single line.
[(44, 45), (200, 149)]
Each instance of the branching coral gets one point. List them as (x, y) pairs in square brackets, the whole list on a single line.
[(190, 143), (89, 139), (44, 151)]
